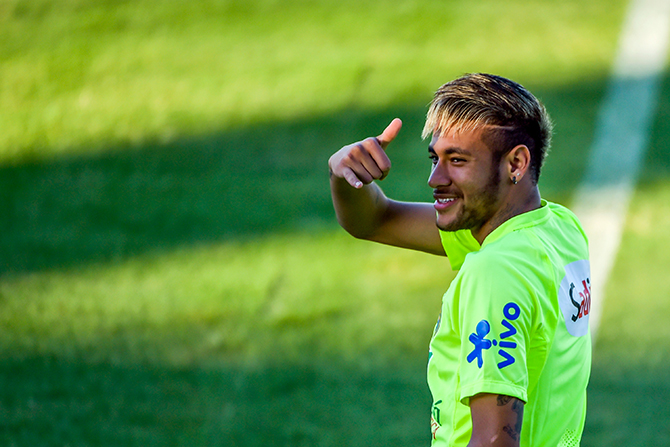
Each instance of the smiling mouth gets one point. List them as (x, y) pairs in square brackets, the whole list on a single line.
[(443, 203)]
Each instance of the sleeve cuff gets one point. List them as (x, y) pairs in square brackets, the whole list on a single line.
[(504, 388)]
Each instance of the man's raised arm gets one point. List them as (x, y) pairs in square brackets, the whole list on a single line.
[(362, 208)]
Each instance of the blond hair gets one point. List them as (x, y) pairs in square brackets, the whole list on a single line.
[(511, 114)]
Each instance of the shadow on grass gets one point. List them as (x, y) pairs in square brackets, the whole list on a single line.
[(50, 402), (628, 406), (124, 201), (57, 402)]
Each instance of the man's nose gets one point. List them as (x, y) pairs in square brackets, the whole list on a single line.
[(439, 176)]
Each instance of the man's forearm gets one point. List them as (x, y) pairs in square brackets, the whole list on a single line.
[(359, 211)]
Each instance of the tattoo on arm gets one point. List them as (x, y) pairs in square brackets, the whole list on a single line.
[(514, 432), (503, 400)]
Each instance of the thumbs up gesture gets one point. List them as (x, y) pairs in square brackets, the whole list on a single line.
[(362, 162)]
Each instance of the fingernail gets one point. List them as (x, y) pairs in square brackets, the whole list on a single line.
[(358, 184)]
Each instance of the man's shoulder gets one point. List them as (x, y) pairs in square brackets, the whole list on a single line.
[(555, 224), (562, 212), (519, 253), (535, 249)]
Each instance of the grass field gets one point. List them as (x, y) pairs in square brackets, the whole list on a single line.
[(171, 273)]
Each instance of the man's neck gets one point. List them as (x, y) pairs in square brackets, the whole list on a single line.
[(515, 205)]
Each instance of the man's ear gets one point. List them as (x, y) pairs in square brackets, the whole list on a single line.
[(518, 162)]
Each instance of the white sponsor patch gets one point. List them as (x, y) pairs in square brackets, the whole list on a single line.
[(574, 297)]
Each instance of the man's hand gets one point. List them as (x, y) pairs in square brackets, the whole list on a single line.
[(362, 162), (365, 212)]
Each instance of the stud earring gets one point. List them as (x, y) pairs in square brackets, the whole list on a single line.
[(515, 180)]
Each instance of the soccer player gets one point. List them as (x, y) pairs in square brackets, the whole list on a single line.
[(510, 356)]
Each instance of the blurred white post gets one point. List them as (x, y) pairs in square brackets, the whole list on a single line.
[(621, 137)]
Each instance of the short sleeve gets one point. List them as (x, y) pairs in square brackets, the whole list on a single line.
[(495, 324), (457, 244)]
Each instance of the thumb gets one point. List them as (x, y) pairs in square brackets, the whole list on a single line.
[(389, 133)]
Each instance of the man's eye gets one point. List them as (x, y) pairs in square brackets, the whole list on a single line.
[(457, 160), (433, 159)]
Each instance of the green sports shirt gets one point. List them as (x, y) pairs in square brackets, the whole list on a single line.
[(514, 321)]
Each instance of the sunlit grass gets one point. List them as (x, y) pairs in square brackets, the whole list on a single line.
[(130, 72), (637, 304), (271, 298)]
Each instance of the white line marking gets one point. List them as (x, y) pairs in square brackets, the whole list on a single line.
[(621, 138)]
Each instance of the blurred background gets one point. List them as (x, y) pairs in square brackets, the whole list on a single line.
[(171, 271)]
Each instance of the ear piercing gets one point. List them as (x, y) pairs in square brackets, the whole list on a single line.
[(515, 179)]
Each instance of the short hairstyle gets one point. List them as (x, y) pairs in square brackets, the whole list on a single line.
[(512, 115)]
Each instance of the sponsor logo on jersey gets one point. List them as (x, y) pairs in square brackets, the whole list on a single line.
[(574, 297), (502, 342)]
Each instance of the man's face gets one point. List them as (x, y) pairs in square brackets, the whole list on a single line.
[(466, 181)]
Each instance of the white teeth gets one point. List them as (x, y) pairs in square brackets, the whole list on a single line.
[(445, 200)]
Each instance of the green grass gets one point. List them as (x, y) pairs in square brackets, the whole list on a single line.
[(151, 71), (631, 359), (271, 299), (171, 271)]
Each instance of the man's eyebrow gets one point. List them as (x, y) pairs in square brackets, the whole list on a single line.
[(450, 150)]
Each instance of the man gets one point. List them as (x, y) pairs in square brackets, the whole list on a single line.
[(510, 357)]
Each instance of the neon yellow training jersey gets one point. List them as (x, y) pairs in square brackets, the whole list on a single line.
[(515, 322)]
